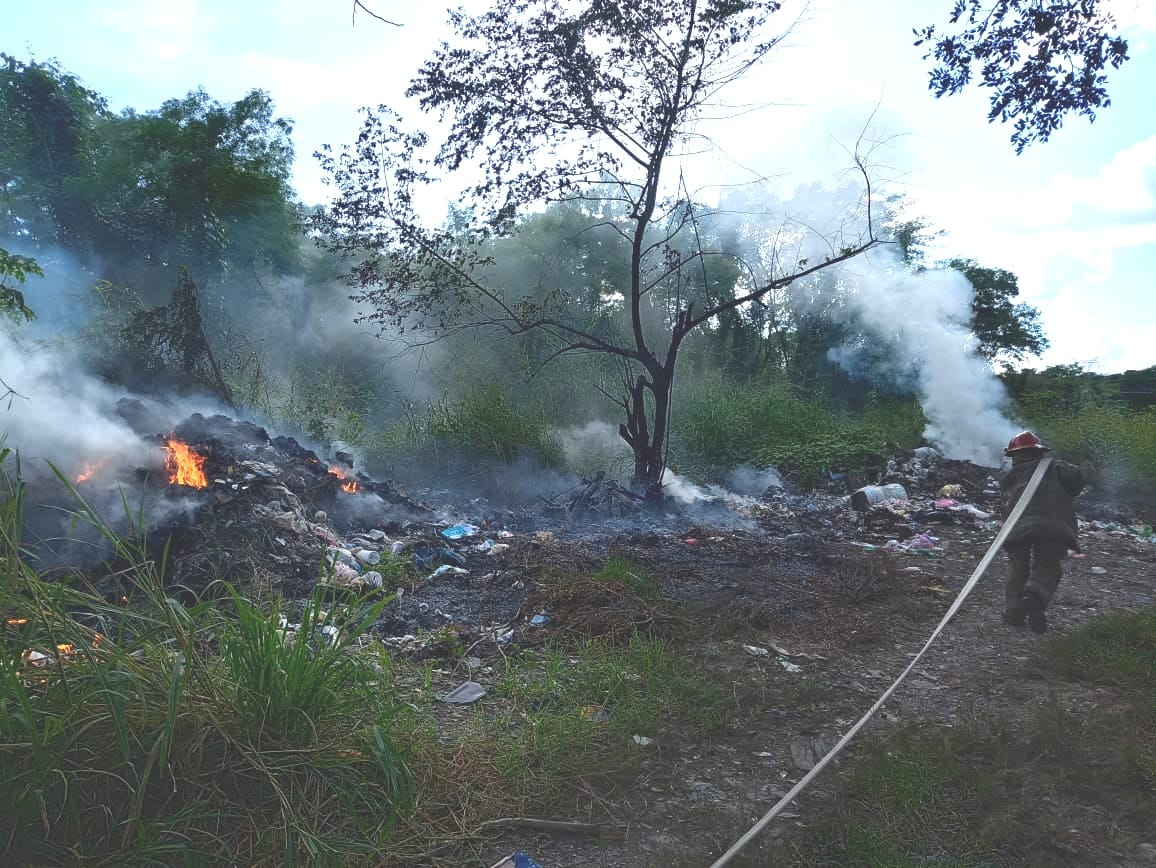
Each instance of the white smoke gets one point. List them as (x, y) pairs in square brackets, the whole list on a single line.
[(594, 446), (57, 412), (922, 319), (750, 480)]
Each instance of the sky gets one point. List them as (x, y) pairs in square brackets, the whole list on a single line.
[(1074, 218)]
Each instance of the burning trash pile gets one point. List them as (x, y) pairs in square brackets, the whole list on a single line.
[(925, 490), (238, 505)]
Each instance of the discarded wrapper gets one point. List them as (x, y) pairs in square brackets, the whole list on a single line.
[(596, 713), (465, 693)]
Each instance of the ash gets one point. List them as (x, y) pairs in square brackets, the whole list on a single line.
[(278, 520)]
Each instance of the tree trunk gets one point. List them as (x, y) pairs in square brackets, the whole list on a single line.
[(646, 433)]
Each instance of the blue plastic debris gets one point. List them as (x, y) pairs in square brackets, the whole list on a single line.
[(517, 860), (423, 557), (541, 619), (449, 556), (460, 530)]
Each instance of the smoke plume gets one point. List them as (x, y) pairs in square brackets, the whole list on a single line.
[(920, 320)]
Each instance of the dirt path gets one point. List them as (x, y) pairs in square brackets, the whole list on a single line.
[(846, 653)]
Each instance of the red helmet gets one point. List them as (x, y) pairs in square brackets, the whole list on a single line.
[(1025, 440)]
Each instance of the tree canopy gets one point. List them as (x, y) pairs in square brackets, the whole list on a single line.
[(195, 182), (1041, 59)]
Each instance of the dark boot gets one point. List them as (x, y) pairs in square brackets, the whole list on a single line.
[(1034, 606), (1014, 616)]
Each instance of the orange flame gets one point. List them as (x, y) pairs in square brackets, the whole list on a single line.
[(349, 486), (64, 648), (89, 470), (17, 622), (184, 466)]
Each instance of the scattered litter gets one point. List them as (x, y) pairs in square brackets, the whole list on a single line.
[(1099, 571), (790, 667), (596, 713), (951, 491), (873, 495), (783, 652), (541, 619), (465, 693), (447, 570), (643, 741), (762, 753), (756, 651)]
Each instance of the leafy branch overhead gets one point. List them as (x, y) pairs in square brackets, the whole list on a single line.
[(1042, 59), (594, 105)]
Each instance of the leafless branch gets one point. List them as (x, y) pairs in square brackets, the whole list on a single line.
[(357, 4)]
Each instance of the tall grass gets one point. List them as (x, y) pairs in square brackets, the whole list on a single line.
[(467, 439), (719, 424), (154, 732), (1117, 445)]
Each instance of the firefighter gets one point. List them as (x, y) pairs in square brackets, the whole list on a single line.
[(1043, 535)]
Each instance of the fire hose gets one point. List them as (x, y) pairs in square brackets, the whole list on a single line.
[(778, 807)]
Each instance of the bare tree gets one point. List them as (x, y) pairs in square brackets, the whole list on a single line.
[(595, 102)]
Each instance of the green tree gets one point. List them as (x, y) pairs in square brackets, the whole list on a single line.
[(591, 101), (14, 270), (50, 122), (1007, 331), (196, 183), (1041, 59)]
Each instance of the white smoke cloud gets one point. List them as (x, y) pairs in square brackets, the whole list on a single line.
[(924, 317), (58, 412), (594, 446), (753, 481)]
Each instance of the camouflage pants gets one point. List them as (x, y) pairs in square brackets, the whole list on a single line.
[(1033, 566)]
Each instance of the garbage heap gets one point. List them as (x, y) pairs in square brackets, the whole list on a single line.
[(233, 503), (925, 490)]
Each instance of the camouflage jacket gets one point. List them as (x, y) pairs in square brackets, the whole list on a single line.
[(1051, 514)]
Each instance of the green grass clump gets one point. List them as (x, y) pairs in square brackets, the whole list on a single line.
[(630, 575), (647, 688), (721, 425), (1000, 790), (478, 434), (162, 733), (1117, 649)]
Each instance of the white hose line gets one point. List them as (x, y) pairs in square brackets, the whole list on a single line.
[(1014, 517)]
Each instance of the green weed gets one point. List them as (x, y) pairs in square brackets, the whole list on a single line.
[(127, 738), (1117, 649), (630, 575)]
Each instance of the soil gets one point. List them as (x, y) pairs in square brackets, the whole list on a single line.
[(851, 629)]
